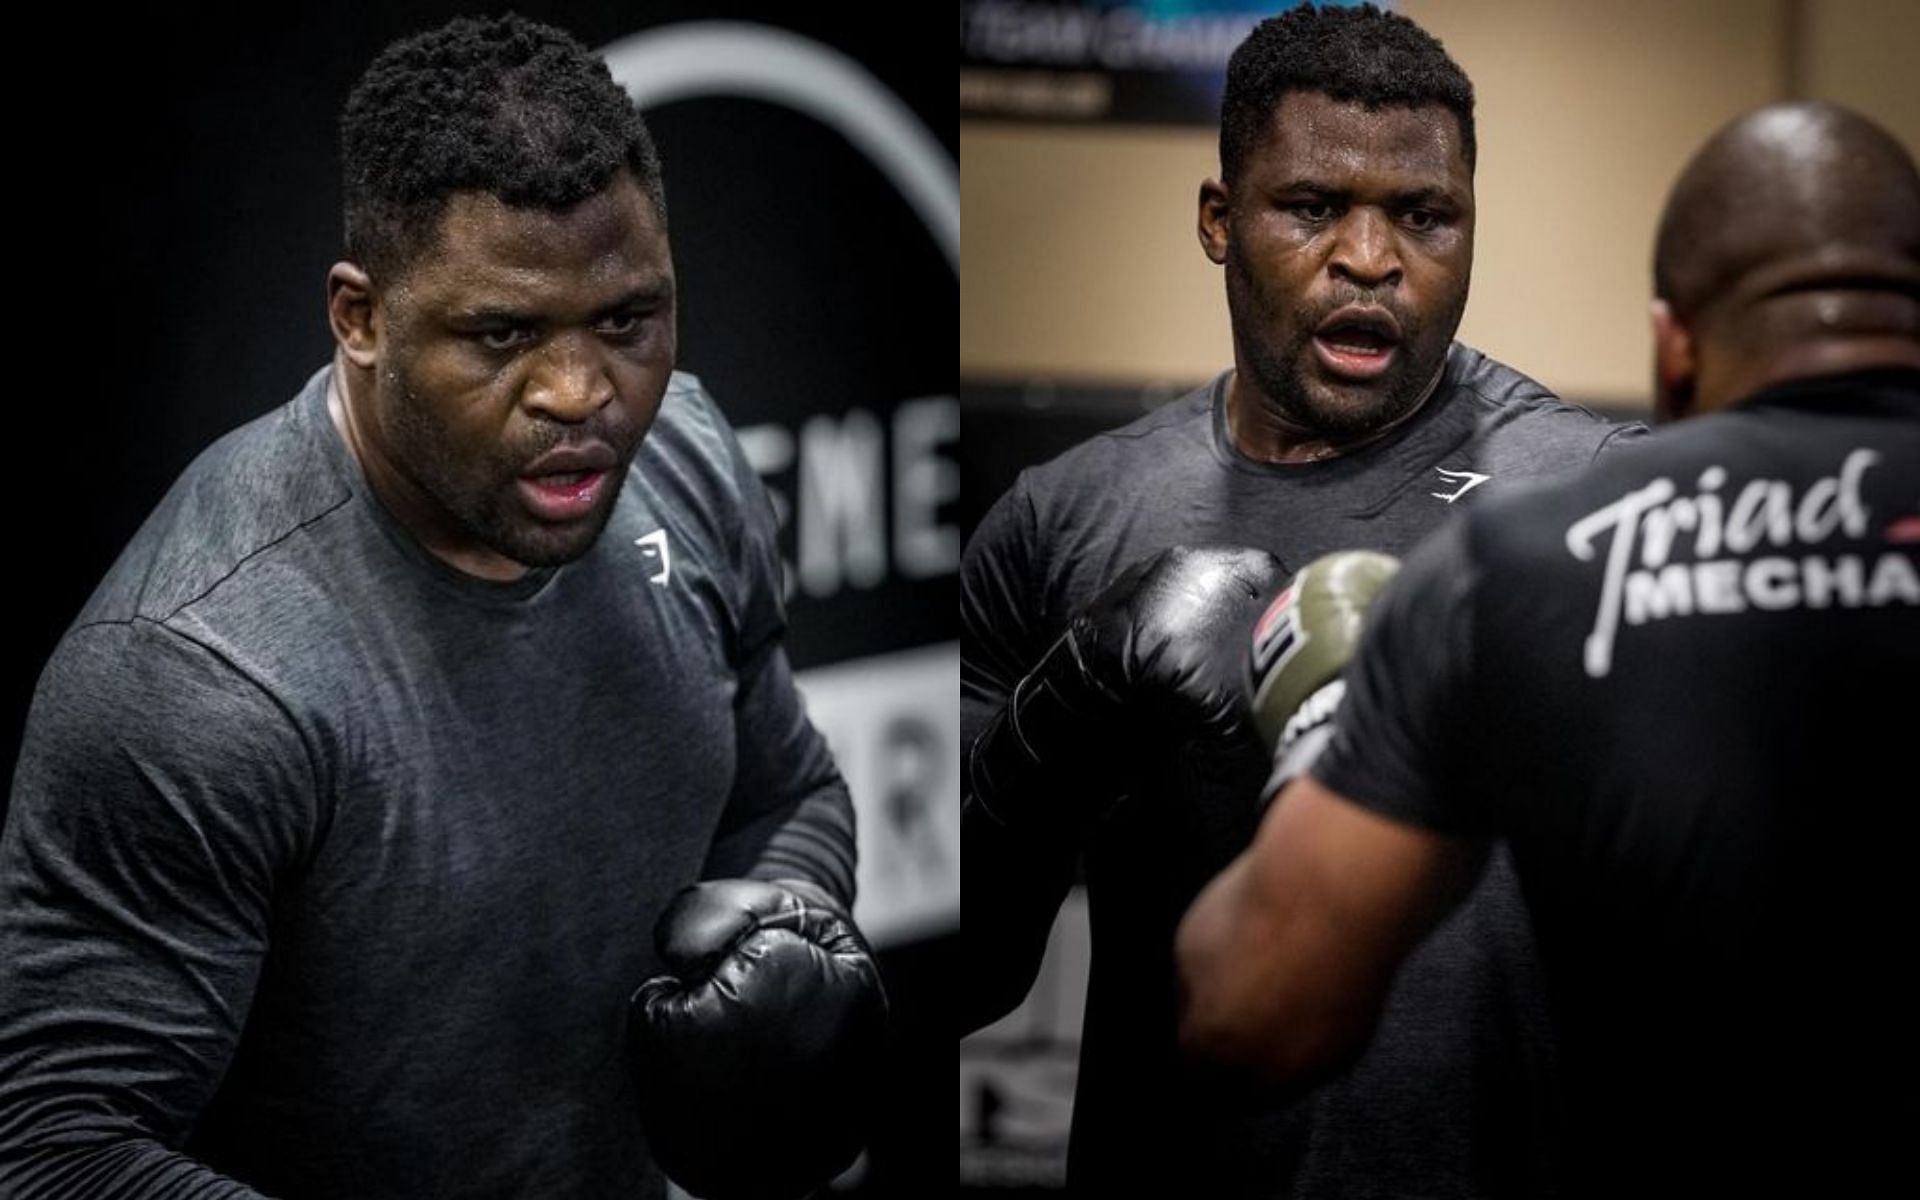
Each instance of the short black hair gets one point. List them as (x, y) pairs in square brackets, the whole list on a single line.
[(499, 105), (1357, 55)]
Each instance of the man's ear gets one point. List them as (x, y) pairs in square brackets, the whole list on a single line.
[(350, 311), (1213, 220), (1676, 365)]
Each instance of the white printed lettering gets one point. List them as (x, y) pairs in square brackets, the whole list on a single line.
[(1894, 581), (1653, 595), (1651, 520), (842, 517), (1825, 580), (1716, 587), (923, 546), (1771, 583)]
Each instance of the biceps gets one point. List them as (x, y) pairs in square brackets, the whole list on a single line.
[(1348, 892), (123, 1003)]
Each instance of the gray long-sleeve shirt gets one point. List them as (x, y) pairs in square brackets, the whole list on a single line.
[(1456, 1096), (329, 868)]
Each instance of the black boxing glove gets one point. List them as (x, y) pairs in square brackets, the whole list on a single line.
[(1155, 659), (757, 1061)]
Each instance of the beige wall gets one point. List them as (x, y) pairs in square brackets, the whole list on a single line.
[(1586, 113), (1079, 258), (1860, 53)]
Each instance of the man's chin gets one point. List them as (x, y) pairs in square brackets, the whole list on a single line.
[(1354, 410), (552, 545)]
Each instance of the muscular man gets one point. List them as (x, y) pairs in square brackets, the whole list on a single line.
[(1682, 687), (365, 790), (1343, 219)]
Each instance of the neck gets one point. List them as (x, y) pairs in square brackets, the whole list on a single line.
[(1807, 336), (1264, 434)]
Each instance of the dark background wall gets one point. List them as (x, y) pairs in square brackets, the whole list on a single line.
[(175, 201)]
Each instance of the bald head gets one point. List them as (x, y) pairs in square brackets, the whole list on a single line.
[(1790, 246)]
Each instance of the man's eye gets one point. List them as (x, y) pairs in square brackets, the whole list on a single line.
[(622, 325), (501, 339), (1315, 211), (1421, 220)]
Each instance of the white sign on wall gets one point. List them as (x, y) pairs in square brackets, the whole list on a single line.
[(893, 721)]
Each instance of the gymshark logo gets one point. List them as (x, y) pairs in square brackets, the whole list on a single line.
[(654, 545), (1473, 480)]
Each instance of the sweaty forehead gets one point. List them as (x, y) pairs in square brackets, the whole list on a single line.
[(488, 250), (1311, 136)]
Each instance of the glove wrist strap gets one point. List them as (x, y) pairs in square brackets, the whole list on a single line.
[(1304, 737)]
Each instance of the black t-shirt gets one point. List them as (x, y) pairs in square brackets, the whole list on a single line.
[(1683, 689), (1455, 1096)]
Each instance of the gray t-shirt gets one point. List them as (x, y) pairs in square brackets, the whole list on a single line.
[(330, 868), (1456, 1096)]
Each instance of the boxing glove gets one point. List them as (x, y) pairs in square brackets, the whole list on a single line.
[(1151, 661), (1300, 646), (757, 1060)]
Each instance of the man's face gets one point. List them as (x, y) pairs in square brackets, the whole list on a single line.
[(1348, 244), (522, 361)]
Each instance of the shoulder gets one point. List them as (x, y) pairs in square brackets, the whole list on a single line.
[(697, 509), (1779, 447), (691, 473), (1170, 443), (1180, 425), (1524, 529), (141, 670), (147, 752), (139, 695), (692, 452), (1094, 484), (1521, 427), (245, 496), (691, 427)]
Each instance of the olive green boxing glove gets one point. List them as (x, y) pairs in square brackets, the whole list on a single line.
[(1301, 644)]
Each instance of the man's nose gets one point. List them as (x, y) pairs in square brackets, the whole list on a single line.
[(569, 381), (1366, 251)]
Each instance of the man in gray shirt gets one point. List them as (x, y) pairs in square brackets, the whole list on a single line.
[(1344, 221), (348, 807)]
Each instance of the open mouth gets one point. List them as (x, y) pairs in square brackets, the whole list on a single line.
[(563, 495), (1357, 343), (567, 481)]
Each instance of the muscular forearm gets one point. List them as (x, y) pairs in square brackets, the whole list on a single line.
[(1240, 1002), (1286, 958)]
